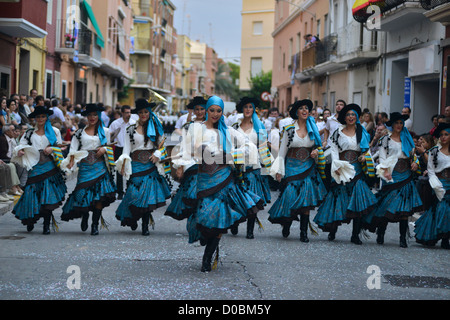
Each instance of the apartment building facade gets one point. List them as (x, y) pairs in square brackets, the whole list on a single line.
[(341, 63), (22, 38), (256, 39)]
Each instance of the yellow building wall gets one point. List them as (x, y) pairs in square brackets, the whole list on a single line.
[(256, 45), (36, 47)]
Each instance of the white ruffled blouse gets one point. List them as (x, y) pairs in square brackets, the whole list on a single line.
[(139, 144), (347, 171), (199, 135), (279, 164), (88, 143), (253, 137), (31, 156), (443, 162), (388, 162)]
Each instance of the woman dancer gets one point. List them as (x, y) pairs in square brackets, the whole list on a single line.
[(90, 156), (184, 201), (434, 224), (254, 175), (45, 189), (147, 189), (349, 198), (221, 202), (398, 198), (301, 188)]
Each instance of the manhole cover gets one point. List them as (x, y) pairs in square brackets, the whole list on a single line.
[(11, 238), (418, 281)]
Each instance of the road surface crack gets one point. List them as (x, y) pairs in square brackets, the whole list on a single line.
[(250, 279)]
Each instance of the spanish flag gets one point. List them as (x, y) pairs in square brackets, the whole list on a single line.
[(360, 7)]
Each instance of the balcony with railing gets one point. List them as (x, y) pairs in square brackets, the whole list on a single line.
[(142, 45), (89, 54), (79, 43), (142, 79), (142, 10), (318, 57), (356, 44), (320, 52), (23, 19), (437, 10), (396, 14)]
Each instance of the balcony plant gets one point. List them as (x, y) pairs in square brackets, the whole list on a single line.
[(70, 39)]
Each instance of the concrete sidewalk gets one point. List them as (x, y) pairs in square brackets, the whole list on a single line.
[(6, 207)]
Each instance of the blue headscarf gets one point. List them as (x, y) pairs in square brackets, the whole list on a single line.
[(223, 129), (365, 137), (50, 133), (407, 141), (258, 125), (313, 131), (151, 129), (101, 130)]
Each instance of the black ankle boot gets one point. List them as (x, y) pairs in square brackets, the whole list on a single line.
[(47, 218), (250, 228), (211, 246), (355, 232), (332, 234), (145, 222), (381, 230), (30, 227), (96, 214), (286, 229), (234, 230), (403, 230), (304, 222), (445, 244), (84, 221)]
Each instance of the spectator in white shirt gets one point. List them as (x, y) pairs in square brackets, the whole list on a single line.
[(188, 117), (57, 112), (106, 115), (118, 129), (408, 122)]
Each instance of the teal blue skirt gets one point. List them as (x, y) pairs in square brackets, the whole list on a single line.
[(45, 190), (396, 201), (146, 191), (94, 184), (257, 183), (434, 224), (345, 202), (184, 202), (222, 203), (301, 190)]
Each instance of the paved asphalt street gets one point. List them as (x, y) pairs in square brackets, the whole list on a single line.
[(120, 264)]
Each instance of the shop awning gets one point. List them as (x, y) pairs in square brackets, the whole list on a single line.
[(100, 40)]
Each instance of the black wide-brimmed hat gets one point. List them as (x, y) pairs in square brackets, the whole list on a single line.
[(40, 110), (92, 107), (440, 127), (394, 116), (142, 104), (240, 105), (347, 108), (197, 101), (297, 104)]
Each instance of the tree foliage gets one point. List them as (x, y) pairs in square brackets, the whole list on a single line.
[(259, 84)]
